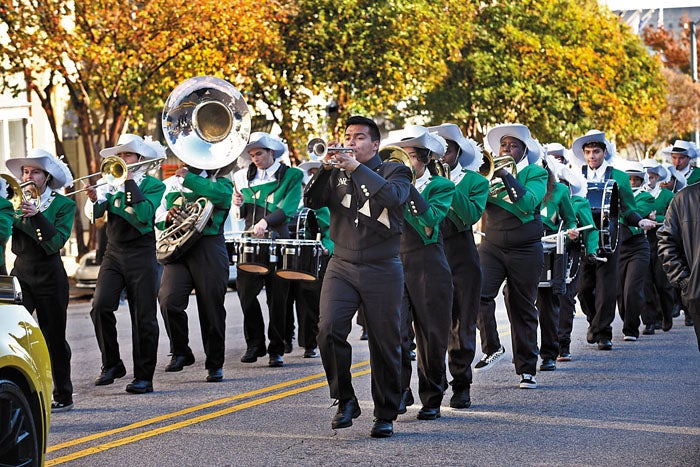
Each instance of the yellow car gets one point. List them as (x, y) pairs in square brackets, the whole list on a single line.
[(25, 381)]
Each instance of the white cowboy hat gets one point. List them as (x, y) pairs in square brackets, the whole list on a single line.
[(147, 148), (518, 131), (636, 169), (260, 139), (61, 176), (590, 137), (686, 148), (470, 149), (681, 182), (577, 184), (651, 165), (306, 166), (555, 149), (418, 136)]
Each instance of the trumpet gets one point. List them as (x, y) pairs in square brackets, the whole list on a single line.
[(114, 172), (318, 148), (20, 192)]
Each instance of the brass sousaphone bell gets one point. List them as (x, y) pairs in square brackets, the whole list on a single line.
[(206, 123)]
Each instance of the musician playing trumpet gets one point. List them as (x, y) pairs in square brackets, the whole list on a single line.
[(202, 267), (41, 227), (129, 262)]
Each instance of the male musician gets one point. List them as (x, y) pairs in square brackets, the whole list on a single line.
[(203, 266), (268, 193), (464, 157), (658, 292), (428, 289), (678, 249), (567, 302), (557, 210), (366, 199), (7, 216), (634, 260), (129, 261), (41, 227), (683, 154), (599, 279), (512, 250)]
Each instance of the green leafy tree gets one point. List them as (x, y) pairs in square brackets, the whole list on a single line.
[(559, 67)]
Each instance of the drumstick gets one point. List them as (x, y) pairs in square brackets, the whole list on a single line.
[(553, 237)]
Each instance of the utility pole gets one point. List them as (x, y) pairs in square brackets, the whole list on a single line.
[(694, 71)]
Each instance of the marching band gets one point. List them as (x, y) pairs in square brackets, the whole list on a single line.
[(556, 226)]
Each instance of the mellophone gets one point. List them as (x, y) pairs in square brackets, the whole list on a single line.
[(297, 258)]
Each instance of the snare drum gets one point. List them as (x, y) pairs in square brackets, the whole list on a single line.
[(256, 255), (605, 208), (573, 262), (300, 259)]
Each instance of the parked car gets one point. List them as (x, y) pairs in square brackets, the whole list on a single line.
[(86, 273), (25, 381)]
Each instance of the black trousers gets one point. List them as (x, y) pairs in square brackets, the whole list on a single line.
[(204, 269), (427, 308), (45, 290), (567, 304), (634, 264), (137, 270), (520, 266), (463, 259), (249, 285), (598, 293), (658, 292), (378, 286)]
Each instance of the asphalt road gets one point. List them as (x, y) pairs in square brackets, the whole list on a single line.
[(635, 405)]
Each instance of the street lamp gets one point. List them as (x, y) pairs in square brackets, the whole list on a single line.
[(694, 72)]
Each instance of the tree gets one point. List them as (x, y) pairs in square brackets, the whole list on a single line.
[(559, 67), (119, 60)]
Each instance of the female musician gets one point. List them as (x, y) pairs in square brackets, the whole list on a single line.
[(557, 209), (129, 262), (512, 250), (427, 300), (464, 157), (41, 227), (7, 216), (268, 193)]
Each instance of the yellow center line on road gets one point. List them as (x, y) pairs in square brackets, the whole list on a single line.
[(195, 408), (190, 421)]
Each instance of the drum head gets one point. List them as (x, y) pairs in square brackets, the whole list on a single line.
[(306, 225)]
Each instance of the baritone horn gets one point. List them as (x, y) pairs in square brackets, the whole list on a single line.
[(397, 154)]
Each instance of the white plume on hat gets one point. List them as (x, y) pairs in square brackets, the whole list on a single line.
[(478, 158), (61, 175)]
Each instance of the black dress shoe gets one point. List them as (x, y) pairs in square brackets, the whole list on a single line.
[(590, 337), (215, 375), (139, 386), (178, 362), (251, 355), (347, 410), (648, 330), (311, 353), (460, 399), (407, 400), (676, 311), (276, 360), (666, 325), (382, 428), (604, 344), (548, 364), (288, 347), (108, 375), (428, 413)]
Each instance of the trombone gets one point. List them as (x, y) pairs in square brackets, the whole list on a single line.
[(114, 172), (20, 192)]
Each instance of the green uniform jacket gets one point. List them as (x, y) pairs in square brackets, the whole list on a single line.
[(425, 217), (7, 216), (628, 206), (50, 228), (219, 192), (469, 200), (272, 198), (694, 176), (558, 208), (137, 212), (645, 204), (661, 204), (323, 216), (591, 237), (534, 179)]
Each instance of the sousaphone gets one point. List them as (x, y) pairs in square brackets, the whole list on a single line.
[(206, 123)]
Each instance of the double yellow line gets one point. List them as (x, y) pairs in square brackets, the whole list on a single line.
[(194, 419)]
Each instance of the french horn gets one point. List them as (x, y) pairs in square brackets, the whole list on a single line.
[(206, 123)]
